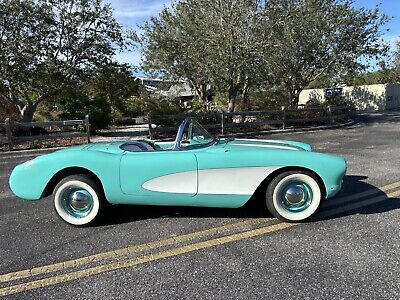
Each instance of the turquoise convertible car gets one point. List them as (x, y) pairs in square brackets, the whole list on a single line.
[(196, 169)]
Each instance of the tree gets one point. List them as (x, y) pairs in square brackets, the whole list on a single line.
[(74, 103), (209, 42), (384, 76), (310, 38), (171, 46), (47, 45), (397, 55), (104, 96), (397, 62), (115, 84), (235, 45)]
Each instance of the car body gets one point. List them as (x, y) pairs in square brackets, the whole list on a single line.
[(194, 170)]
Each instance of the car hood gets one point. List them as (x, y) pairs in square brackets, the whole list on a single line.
[(268, 144)]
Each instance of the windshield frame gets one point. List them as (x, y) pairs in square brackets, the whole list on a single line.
[(180, 133)]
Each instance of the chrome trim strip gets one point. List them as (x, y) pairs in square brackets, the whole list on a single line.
[(294, 148)]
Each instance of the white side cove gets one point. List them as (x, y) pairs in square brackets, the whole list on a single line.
[(228, 181), (268, 146), (232, 181), (180, 183)]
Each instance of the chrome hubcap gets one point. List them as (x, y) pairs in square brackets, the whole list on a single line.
[(80, 200), (295, 196), (77, 202)]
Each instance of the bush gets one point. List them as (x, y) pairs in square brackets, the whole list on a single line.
[(97, 108)]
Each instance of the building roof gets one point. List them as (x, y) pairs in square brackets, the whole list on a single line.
[(168, 88)]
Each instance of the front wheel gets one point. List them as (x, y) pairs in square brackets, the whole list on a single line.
[(293, 196), (78, 200)]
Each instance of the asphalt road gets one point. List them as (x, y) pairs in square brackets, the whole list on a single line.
[(349, 251)]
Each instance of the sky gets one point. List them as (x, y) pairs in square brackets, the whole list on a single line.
[(133, 13)]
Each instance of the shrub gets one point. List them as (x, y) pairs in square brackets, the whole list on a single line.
[(97, 108)]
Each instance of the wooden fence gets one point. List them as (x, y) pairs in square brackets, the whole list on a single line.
[(160, 125), (20, 132), (250, 121)]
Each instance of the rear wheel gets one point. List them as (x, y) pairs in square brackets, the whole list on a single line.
[(293, 196), (78, 200)]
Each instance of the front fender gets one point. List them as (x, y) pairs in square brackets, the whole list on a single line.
[(29, 180)]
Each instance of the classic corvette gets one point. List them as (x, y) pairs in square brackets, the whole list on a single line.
[(196, 169)]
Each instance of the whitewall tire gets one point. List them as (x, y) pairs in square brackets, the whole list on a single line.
[(78, 200), (294, 196)]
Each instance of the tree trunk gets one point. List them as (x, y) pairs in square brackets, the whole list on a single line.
[(27, 112), (231, 105), (290, 98), (233, 91), (246, 100), (203, 93), (294, 97), (201, 90)]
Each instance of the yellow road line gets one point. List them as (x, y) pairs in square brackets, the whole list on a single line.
[(167, 242), (390, 186), (366, 193), (127, 250), (163, 254), (357, 205), (140, 260)]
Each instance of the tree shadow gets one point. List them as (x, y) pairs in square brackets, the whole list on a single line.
[(355, 193), (358, 197), (362, 97), (371, 118)]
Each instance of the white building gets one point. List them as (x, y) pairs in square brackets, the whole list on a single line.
[(376, 96)]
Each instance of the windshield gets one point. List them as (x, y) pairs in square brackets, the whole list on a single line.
[(194, 135)]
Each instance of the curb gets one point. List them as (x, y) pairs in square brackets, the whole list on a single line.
[(33, 152)]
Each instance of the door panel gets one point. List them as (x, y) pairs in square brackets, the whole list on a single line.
[(152, 173), (224, 172)]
